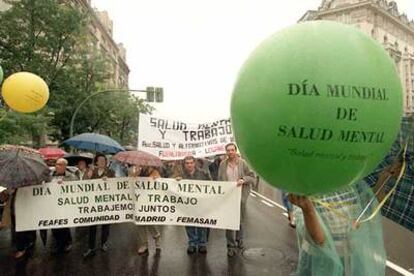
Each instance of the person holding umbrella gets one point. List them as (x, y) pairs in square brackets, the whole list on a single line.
[(81, 161), (21, 166), (145, 230), (101, 170), (83, 171), (143, 164)]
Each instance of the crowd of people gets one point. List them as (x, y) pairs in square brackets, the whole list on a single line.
[(327, 239), (229, 167)]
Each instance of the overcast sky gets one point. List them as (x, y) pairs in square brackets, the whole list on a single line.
[(194, 48)]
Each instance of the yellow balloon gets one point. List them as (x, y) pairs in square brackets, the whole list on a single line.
[(25, 92)]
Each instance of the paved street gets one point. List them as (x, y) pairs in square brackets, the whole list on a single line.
[(270, 250)]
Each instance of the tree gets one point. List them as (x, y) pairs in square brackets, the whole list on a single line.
[(31, 41), (51, 39), (18, 128)]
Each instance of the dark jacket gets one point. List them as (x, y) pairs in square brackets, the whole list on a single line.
[(214, 168), (85, 175), (197, 175), (107, 173)]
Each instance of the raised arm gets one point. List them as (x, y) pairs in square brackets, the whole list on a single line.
[(309, 215)]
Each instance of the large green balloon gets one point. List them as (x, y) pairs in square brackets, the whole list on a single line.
[(316, 106)]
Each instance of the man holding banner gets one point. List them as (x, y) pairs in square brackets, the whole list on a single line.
[(62, 236), (236, 169), (197, 236)]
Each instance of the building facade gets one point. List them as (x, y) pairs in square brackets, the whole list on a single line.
[(101, 31), (381, 20)]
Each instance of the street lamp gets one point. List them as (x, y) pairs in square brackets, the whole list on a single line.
[(154, 94)]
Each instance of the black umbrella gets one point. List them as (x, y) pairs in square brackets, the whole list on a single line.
[(73, 158), (21, 166)]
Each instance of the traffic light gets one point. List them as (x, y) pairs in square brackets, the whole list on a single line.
[(150, 94), (159, 94), (155, 94)]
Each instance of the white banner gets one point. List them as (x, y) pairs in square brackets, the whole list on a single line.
[(172, 140), (140, 200)]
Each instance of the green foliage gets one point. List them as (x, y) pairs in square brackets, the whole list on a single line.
[(52, 39), (19, 128)]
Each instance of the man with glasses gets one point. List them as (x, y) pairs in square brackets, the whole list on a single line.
[(62, 236)]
